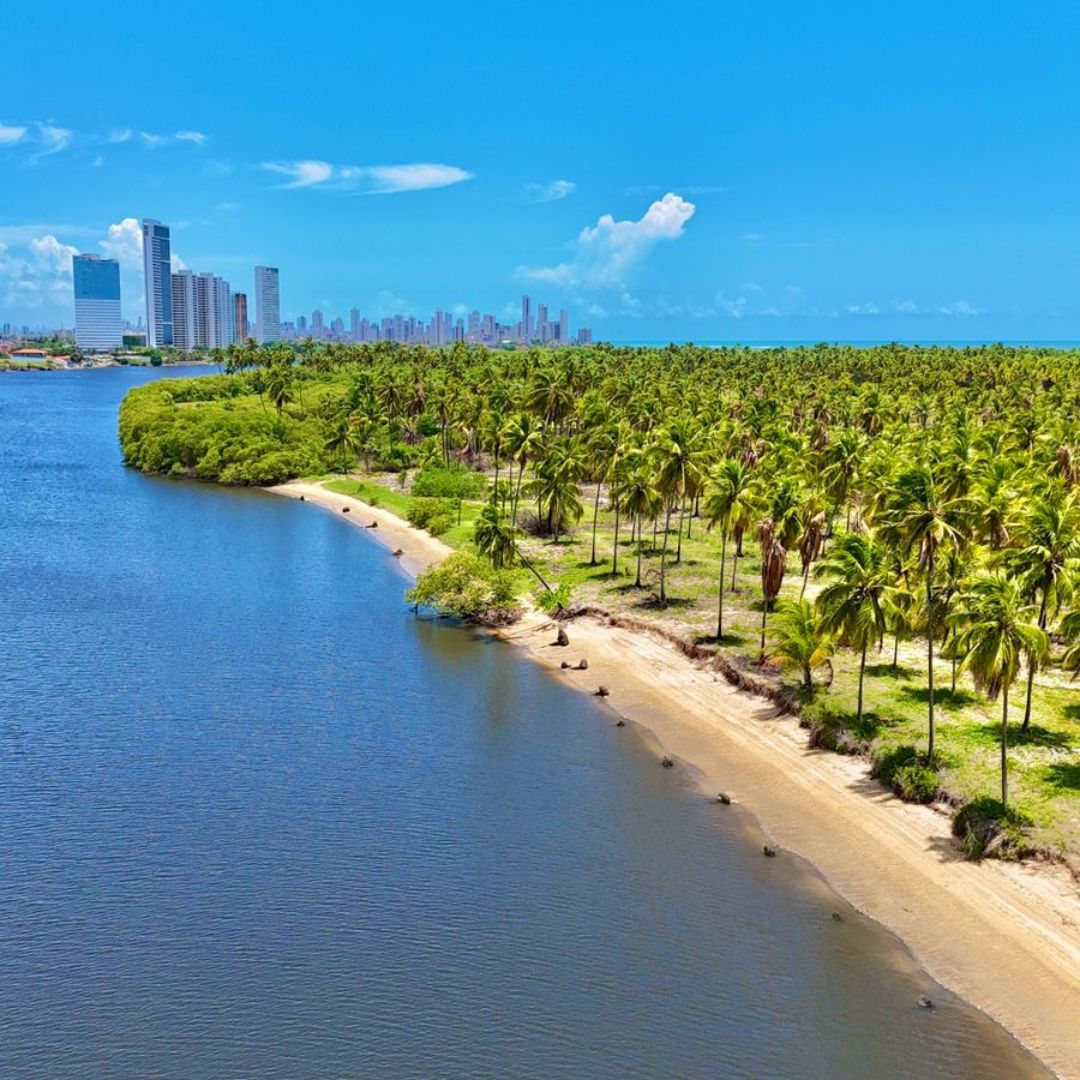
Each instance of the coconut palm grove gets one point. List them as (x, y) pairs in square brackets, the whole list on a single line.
[(885, 540)]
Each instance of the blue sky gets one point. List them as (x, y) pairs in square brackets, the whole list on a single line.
[(775, 171)]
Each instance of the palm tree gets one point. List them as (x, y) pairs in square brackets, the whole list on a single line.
[(556, 486), (1048, 560), (998, 631), (343, 440), (852, 604), (800, 640), (494, 537), (676, 450), (920, 518), (278, 383), (640, 499), (730, 496), (777, 534)]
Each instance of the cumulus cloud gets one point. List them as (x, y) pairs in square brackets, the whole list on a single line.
[(120, 135), (10, 134), (606, 253), (197, 137), (552, 191), (124, 243), (367, 179)]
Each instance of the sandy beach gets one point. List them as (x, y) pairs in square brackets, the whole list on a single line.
[(1005, 937)]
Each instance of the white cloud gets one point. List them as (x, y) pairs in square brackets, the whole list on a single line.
[(152, 141), (176, 264), (550, 192), (51, 256), (10, 134), (226, 207), (120, 135), (301, 173), (53, 139), (960, 308), (124, 243), (606, 253), (869, 308), (196, 137), (368, 179)]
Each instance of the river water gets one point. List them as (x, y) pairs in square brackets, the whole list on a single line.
[(258, 820)]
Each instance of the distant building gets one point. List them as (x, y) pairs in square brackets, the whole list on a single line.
[(267, 304), (525, 333), (240, 316), (183, 305), (157, 255), (98, 324)]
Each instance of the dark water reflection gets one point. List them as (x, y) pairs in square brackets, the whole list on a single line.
[(258, 821)]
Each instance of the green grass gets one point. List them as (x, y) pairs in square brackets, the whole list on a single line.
[(1044, 766)]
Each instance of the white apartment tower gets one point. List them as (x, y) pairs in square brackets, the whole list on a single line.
[(267, 304), (158, 280)]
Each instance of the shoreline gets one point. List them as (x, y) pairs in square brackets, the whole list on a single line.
[(1005, 937)]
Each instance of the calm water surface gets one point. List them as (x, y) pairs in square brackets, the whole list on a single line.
[(256, 820)]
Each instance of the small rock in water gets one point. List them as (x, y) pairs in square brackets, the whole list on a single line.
[(666, 762), (564, 665), (373, 525), (344, 509), (398, 553), (926, 1003), (620, 723), (301, 498), (837, 917), (768, 852), (724, 798), (602, 691)]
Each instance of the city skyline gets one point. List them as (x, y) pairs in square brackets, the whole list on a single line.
[(715, 204)]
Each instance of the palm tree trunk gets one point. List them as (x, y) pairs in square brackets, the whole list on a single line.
[(734, 569), (682, 518), (1005, 748), (896, 652), (720, 603), (595, 518), (615, 546), (637, 584), (517, 493), (663, 556), (764, 616), (1031, 668), (930, 653), (862, 673)]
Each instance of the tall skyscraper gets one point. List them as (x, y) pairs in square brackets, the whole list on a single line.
[(267, 304), (526, 319), (354, 325), (564, 327), (240, 318), (98, 325), (203, 316), (157, 255)]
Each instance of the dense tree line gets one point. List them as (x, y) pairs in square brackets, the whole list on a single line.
[(930, 492)]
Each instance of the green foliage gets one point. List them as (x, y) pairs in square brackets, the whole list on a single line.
[(437, 516), (552, 600), (985, 828), (436, 481), (464, 586)]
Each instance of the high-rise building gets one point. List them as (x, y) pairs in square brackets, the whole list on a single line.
[(318, 326), (354, 325), (240, 318), (526, 319), (267, 304), (183, 305), (564, 327), (157, 255), (203, 311), (98, 325)]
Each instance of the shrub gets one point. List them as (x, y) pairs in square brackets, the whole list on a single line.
[(987, 831), (436, 515), (831, 729), (438, 481), (907, 772), (464, 586)]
